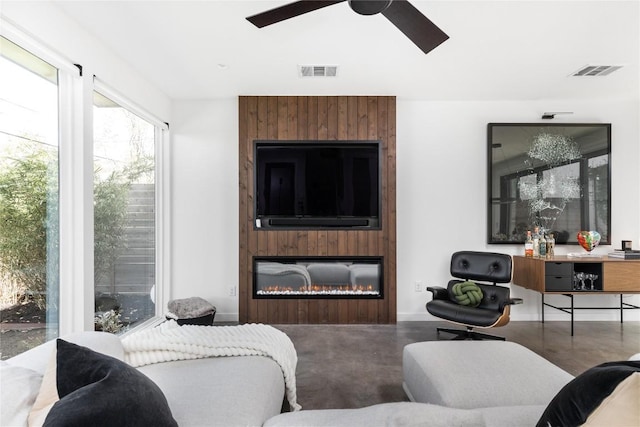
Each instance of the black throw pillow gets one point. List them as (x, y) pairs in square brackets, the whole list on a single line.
[(98, 390), (581, 396)]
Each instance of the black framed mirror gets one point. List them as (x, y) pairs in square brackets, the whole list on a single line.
[(553, 176)]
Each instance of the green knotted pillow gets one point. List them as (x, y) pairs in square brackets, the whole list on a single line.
[(467, 293)]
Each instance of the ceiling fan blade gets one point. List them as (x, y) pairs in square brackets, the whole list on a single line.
[(287, 11), (420, 30)]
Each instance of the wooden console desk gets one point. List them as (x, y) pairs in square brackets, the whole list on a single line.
[(562, 275)]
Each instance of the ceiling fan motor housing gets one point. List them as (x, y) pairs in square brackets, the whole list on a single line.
[(369, 7)]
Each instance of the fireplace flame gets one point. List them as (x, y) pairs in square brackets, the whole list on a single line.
[(319, 289)]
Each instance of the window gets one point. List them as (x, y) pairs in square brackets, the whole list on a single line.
[(29, 226), (124, 216), (51, 283)]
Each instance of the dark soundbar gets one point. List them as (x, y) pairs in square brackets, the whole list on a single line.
[(318, 222)]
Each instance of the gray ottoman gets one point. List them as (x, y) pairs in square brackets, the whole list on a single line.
[(479, 374)]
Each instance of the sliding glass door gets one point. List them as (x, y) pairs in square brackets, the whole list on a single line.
[(124, 216), (29, 226)]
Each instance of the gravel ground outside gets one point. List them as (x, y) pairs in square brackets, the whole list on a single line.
[(16, 341)]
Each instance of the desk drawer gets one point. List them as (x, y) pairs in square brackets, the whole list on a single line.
[(558, 268), (558, 283)]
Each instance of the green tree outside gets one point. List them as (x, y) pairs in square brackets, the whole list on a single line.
[(27, 185), (28, 188)]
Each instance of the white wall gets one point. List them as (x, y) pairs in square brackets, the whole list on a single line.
[(204, 184), (441, 204), (442, 192)]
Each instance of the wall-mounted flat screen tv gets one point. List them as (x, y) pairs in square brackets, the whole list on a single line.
[(317, 184)]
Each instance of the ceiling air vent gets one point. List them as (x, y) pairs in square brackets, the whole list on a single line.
[(596, 70), (318, 70)]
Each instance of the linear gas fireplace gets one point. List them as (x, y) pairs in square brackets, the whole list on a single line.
[(317, 277)]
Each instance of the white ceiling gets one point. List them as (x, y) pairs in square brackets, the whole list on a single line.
[(498, 50)]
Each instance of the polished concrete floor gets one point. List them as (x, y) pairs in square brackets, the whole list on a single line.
[(351, 366)]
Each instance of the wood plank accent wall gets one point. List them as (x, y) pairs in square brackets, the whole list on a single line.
[(317, 118)]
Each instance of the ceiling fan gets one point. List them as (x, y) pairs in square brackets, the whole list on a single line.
[(417, 27)]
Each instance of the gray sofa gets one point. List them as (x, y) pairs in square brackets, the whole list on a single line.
[(443, 380), (222, 391)]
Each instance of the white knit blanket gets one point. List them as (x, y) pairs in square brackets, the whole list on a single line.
[(170, 341)]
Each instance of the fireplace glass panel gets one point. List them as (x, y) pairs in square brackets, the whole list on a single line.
[(296, 277)]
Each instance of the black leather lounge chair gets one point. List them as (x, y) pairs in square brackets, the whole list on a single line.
[(494, 304)]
